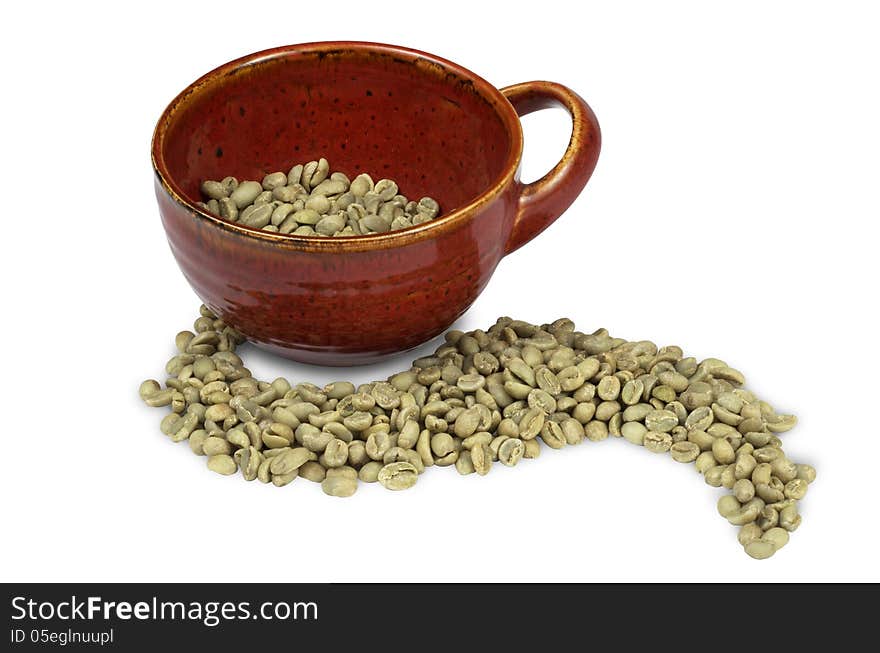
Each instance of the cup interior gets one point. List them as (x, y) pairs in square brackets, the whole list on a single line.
[(433, 127)]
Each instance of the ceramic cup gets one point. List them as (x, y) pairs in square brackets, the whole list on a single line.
[(429, 124)]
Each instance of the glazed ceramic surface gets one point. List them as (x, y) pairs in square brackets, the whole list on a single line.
[(432, 126)]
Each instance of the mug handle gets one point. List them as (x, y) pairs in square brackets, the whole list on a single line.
[(543, 201)]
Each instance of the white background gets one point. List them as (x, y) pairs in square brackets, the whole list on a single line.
[(733, 211)]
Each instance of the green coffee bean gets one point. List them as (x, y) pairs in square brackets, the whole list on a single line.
[(464, 465), (222, 464), (196, 441), (705, 462), (784, 469), (436, 424), (338, 431), (378, 443), (743, 490), (777, 536), (340, 482), (760, 549), (250, 462), (552, 435), (214, 190), (728, 505), (398, 476), (767, 454), (573, 431), (806, 473), (743, 448), (169, 423), (606, 410), (369, 473), (781, 423), (570, 378), (634, 432), (700, 438), (358, 421), (263, 473), (542, 400), (281, 430), (795, 489), (749, 533), (548, 382), (657, 442), (684, 451), (184, 426), (213, 446), (466, 423), (423, 448), (789, 519), (632, 391), (745, 465), (290, 459), (663, 393), (149, 388), (728, 478), (712, 475), (595, 431), (723, 451), (661, 421), (448, 459), (245, 193), (509, 428), (673, 379), (700, 418), (584, 412), (495, 444), (531, 449), (160, 398), (273, 180), (335, 453), (768, 518), (442, 444), (616, 422), (361, 185), (280, 480), (481, 459), (747, 513), (469, 382), (762, 474), (637, 412), (608, 388), (586, 393), (408, 435), (325, 418), (511, 451), (531, 423), (768, 493)]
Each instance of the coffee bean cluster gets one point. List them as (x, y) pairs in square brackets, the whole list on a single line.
[(484, 398), (311, 201)]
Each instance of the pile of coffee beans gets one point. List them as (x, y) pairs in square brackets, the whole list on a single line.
[(487, 397), (311, 201)]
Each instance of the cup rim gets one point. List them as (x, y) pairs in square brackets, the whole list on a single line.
[(389, 239)]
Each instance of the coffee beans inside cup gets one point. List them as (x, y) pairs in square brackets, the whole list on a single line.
[(487, 397), (309, 200)]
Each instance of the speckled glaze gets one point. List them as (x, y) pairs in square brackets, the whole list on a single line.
[(434, 127)]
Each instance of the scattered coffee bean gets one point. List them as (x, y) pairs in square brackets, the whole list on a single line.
[(484, 396)]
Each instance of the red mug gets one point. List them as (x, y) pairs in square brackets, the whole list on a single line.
[(429, 124)]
